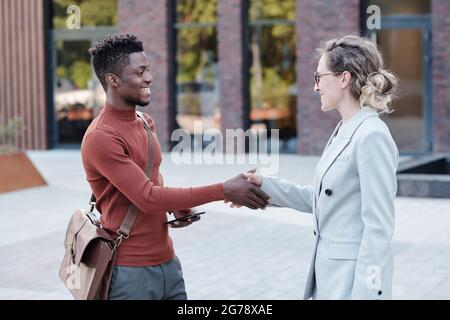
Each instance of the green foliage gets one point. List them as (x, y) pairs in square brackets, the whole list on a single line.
[(272, 9), (81, 73), (9, 134), (73, 57), (197, 50), (196, 39), (273, 69), (73, 62), (62, 72), (196, 11)]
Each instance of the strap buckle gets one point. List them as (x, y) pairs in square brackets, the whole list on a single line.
[(122, 235), (119, 239)]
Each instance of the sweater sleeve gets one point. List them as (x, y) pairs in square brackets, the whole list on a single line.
[(107, 154)]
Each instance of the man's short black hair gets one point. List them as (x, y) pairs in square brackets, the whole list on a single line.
[(111, 54)]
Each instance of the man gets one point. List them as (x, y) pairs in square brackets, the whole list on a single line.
[(115, 152)]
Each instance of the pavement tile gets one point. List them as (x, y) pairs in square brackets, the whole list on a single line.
[(230, 254)]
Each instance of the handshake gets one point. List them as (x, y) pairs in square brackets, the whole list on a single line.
[(242, 190)]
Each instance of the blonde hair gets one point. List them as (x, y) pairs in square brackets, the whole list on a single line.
[(371, 84)]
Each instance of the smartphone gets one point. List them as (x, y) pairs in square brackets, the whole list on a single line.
[(188, 216)]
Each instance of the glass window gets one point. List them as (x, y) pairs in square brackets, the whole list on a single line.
[(78, 95), (272, 72), (401, 7), (403, 54), (93, 13), (72, 95), (197, 64)]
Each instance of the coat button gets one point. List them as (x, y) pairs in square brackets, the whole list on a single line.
[(328, 192), (315, 232), (380, 293)]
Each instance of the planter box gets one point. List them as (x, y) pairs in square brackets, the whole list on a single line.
[(18, 172)]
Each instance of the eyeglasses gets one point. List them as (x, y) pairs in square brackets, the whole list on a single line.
[(317, 76)]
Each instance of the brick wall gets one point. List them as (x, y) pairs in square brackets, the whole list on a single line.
[(318, 21), (232, 69), (151, 21), (441, 75)]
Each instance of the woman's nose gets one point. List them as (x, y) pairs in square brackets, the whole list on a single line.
[(316, 88)]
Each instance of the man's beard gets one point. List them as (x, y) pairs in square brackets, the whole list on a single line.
[(137, 102), (143, 103)]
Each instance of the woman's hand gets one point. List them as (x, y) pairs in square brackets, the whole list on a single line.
[(254, 178)]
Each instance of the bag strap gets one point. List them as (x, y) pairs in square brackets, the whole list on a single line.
[(130, 217)]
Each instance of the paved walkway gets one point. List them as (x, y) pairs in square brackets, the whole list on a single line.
[(230, 254)]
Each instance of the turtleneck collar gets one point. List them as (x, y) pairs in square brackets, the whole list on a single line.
[(128, 115)]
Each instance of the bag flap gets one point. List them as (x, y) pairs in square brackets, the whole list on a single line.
[(80, 232)]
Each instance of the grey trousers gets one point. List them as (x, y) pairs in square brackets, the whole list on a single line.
[(161, 282)]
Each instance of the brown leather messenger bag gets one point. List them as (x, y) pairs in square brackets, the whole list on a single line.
[(90, 251)]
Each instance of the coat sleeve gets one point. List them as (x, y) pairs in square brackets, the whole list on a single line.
[(283, 193), (377, 160)]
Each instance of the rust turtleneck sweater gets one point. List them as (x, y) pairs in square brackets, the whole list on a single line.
[(114, 153)]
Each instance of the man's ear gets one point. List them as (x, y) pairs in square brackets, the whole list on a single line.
[(112, 80), (346, 79)]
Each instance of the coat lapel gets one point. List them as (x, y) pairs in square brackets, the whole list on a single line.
[(332, 135), (343, 138), (328, 157)]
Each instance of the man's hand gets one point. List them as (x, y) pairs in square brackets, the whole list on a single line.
[(241, 192), (182, 213)]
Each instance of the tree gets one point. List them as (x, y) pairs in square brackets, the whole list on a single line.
[(196, 38)]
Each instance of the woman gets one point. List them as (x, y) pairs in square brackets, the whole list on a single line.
[(352, 200)]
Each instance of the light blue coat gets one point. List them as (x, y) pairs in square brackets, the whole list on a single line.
[(352, 204)]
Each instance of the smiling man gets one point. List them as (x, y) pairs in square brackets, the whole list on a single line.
[(115, 153)]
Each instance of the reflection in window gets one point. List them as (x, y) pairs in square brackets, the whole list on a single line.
[(403, 54), (196, 58), (71, 92), (272, 71), (93, 13), (77, 91), (404, 51)]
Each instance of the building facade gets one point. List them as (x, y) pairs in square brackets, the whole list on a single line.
[(249, 64)]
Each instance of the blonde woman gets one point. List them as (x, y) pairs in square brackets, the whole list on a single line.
[(352, 199)]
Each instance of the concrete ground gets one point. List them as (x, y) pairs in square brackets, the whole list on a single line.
[(229, 254)]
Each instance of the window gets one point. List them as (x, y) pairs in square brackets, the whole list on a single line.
[(273, 88), (197, 64), (404, 40), (78, 94)]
